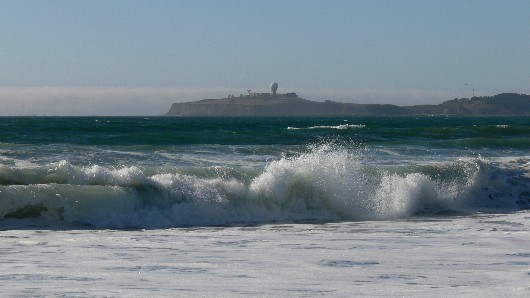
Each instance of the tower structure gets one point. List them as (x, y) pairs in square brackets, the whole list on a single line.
[(274, 87)]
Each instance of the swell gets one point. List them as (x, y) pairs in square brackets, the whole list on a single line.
[(474, 132), (327, 183)]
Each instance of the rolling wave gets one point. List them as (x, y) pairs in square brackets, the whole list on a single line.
[(327, 183)]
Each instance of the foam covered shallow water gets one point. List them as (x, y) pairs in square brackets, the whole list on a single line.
[(326, 183), (459, 256)]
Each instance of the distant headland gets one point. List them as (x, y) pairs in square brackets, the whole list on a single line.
[(275, 104)]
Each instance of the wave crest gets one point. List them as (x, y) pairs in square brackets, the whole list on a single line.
[(327, 183)]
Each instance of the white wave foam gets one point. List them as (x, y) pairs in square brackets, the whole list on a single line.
[(326, 183), (16, 162), (340, 126)]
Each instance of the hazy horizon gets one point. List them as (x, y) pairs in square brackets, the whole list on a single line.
[(138, 57)]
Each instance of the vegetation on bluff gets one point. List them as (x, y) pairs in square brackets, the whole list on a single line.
[(504, 104)]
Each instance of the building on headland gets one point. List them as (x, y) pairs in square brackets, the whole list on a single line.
[(268, 104), (274, 104), (272, 94)]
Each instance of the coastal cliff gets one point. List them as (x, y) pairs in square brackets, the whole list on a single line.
[(263, 107), (506, 104)]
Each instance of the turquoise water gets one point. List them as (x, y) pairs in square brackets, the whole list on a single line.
[(169, 171)]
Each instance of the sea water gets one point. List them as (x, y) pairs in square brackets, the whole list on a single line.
[(173, 206)]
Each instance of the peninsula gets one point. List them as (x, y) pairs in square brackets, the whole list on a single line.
[(291, 105)]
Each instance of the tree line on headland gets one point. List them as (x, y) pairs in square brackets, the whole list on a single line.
[(504, 104)]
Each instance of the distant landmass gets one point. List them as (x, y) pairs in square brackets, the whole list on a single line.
[(290, 104)]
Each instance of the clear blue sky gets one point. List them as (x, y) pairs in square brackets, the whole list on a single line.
[(134, 57)]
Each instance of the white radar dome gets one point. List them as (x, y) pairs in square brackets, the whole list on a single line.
[(274, 87)]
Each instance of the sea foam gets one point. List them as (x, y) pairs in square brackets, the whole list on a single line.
[(340, 127), (326, 183)]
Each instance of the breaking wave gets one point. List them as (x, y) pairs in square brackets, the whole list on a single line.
[(340, 126), (327, 183)]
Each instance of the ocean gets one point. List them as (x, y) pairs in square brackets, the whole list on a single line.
[(175, 206)]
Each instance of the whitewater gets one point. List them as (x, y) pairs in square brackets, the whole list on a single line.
[(134, 206)]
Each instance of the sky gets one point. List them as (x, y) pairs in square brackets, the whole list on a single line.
[(62, 57)]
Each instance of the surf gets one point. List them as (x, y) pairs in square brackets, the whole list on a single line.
[(327, 182)]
